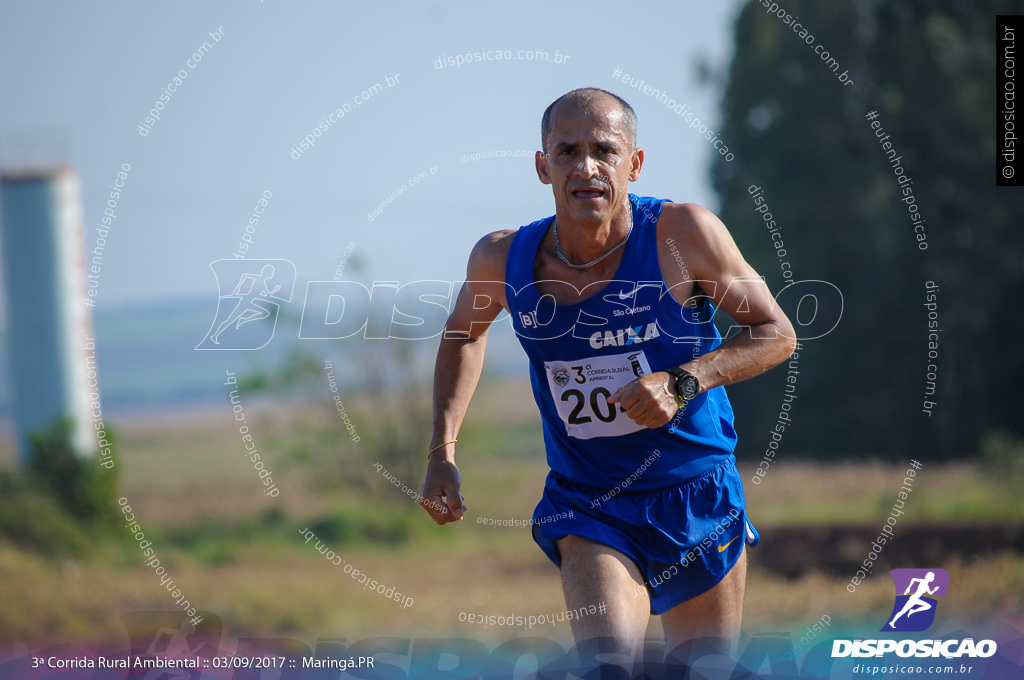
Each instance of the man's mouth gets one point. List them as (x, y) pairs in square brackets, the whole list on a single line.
[(588, 193)]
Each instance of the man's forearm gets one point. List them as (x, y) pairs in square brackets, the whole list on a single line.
[(750, 352), (456, 374)]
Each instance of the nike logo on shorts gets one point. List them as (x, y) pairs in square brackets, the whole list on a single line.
[(721, 548)]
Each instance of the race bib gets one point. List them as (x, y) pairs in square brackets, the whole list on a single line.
[(581, 390)]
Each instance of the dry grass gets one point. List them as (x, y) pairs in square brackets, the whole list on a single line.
[(300, 594), (189, 472), (808, 493)]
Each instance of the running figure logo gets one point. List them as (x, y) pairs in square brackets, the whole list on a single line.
[(914, 610), (257, 289)]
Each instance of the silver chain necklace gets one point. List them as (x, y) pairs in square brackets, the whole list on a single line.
[(558, 249)]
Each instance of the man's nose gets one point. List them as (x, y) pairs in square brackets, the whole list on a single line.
[(587, 166)]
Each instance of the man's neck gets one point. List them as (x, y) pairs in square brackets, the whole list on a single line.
[(584, 241)]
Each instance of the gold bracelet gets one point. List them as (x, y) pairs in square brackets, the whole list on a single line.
[(454, 441)]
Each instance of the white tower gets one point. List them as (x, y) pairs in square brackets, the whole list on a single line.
[(48, 320)]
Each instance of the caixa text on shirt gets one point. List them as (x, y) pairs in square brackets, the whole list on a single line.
[(419, 310)]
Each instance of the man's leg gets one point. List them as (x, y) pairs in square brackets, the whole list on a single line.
[(593, 573), (715, 614)]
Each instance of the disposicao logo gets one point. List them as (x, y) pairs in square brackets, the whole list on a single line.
[(914, 611), (250, 290)]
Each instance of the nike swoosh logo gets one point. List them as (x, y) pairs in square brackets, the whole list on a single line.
[(626, 294), (722, 548)]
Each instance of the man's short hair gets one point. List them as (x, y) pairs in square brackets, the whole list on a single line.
[(584, 99)]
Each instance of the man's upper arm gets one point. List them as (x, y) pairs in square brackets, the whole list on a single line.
[(723, 273), (482, 297)]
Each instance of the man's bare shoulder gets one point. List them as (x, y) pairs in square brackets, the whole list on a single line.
[(688, 220), (487, 261), (695, 228)]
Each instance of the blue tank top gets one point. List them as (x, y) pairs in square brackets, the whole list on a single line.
[(581, 353)]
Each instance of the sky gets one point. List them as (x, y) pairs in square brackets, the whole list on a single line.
[(229, 132)]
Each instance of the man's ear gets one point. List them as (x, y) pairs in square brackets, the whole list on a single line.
[(540, 160), (636, 164)]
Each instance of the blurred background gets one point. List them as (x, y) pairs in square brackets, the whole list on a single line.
[(414, 151)]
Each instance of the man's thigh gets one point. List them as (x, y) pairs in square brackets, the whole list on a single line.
[(594, 574), (716, 613)]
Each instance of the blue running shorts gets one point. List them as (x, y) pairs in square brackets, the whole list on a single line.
[(684, 539)]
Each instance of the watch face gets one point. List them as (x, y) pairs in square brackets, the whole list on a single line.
[(687, 387)]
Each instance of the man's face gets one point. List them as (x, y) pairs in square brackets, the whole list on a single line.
[(589, 163)]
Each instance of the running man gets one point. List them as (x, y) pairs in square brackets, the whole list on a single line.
[(251, 304), (612, 300), (914, 603)]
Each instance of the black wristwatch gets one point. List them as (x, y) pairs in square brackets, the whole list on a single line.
[(687, 387)]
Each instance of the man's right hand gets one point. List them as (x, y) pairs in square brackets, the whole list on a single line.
[(440, 495)]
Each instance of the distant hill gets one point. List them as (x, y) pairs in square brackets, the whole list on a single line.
[(147, 359)]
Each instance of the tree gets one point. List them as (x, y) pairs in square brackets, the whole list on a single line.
[(928, 69)]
